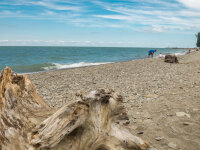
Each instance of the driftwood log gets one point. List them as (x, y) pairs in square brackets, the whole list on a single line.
[(171, 59), (97, 121)]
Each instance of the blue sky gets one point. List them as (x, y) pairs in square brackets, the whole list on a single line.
[(132, 23)]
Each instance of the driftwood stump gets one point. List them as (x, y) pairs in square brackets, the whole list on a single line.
[(171, 59), (96, 121)]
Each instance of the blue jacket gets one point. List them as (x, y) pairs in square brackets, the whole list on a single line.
[(151, 51)]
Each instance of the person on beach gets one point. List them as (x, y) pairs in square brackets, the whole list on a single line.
[(160, 55), (189, 51), (151, 52)]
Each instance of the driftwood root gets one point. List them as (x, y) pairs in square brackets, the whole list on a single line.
[(96, 121)]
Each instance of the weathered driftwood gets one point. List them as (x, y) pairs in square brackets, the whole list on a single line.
[(171, 59), (97, 121)]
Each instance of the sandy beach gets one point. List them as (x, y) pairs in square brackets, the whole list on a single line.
[(161, 99)]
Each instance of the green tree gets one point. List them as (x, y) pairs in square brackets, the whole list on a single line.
[(198, 39)]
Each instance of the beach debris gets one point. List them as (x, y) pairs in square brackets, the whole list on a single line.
[(27, 122), (171, 59)]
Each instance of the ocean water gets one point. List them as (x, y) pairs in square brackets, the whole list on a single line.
[(31, 59)]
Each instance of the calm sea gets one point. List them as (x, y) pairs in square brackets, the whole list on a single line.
[(27, 59)]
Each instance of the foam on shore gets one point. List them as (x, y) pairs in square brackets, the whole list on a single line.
[(57, 66)]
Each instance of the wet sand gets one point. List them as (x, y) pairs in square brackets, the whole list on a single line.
[(162, 99)]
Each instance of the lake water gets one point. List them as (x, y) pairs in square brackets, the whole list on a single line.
[(29, 59)]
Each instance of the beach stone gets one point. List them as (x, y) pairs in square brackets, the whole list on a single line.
[(169, 114), (134, 121), (171, 59), (141, 132), (172, 145), (151, 96), (159, 138), (186, 123), (182, 114)]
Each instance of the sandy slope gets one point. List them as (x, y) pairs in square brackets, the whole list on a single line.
[(162, 100)]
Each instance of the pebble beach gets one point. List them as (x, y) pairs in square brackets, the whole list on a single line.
[(161, 99)]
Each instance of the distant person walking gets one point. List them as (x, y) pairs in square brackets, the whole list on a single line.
[(151, 52)]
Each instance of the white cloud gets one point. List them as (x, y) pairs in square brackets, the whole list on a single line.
[(189, 13), (171, 16), (63, 43), (117, 17), (159, 28), (50, 5), (195, 4), (3, 41), (147, 16), (8, 13)]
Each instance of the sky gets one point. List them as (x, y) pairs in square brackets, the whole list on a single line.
[(121, 23)]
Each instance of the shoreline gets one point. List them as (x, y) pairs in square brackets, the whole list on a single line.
[(154, 93), (64, 58), (103, 63)]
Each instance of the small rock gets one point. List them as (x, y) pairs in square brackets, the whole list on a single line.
[(158, 138), (182, 114), (172, 145), (127, 122), (134, 121), (168, 114), (151, 96), (141, 132), (186, 123)]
